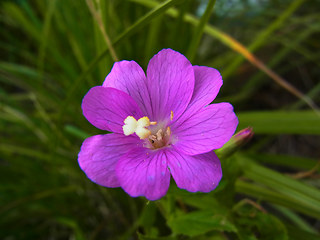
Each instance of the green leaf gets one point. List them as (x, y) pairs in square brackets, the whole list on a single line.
[(142, 237), (71, 223), (259, 225), (200, 222), (206, 202)]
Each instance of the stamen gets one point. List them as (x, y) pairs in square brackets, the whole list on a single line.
[(159, 135), (171, 115), (152, 139), (168, 132)]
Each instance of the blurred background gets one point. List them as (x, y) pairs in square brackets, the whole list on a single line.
[(54, 51)]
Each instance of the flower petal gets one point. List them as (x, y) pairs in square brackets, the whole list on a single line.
[(206, 87), (99, 154), (208, 129), (195, 173), (143, 172), (129, 77), (170, 83), (107, 108)]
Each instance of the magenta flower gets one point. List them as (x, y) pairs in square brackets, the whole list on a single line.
[(162, 125)]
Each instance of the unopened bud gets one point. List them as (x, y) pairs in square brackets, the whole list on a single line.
[(237, 141), (243, 136)]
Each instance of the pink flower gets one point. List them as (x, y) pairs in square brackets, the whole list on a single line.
[(162, 126)]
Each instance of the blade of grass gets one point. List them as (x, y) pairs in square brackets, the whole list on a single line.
[(281, 122), (45, 34), (180, 29), (38, 196), (314, 92), (279, 183), (198, 32), (295, 219), (268, 195), (76, 132), (294, 162), (20, 117), (99, 21), (154, 30)]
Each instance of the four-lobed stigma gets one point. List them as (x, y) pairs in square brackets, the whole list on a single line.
[(131, 125)]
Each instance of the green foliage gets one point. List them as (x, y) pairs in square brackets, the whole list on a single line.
[(199, 222), (53, 52)]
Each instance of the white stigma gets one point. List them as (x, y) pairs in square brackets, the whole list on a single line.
[(131, 125)]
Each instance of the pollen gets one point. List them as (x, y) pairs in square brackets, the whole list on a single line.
[(131, 125), (171, 115)]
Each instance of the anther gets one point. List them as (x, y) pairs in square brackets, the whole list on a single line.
[(168, 132), (171, 115), (159, 135)]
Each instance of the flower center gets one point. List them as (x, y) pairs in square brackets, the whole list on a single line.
[(155, 136), (159, 139)]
